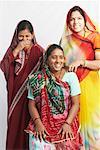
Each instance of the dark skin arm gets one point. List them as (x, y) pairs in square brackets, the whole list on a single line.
[(66, 130), (39, 127)]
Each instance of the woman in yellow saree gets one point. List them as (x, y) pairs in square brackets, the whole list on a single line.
[(81, 44)]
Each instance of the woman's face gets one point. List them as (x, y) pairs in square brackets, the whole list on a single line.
[(77, 22), (56, 60), (26, 37)]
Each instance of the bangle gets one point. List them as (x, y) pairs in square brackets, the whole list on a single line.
[(84, 65), (67, 123), (36, 119)]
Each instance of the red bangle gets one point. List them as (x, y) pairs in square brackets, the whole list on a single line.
[(36, 119)]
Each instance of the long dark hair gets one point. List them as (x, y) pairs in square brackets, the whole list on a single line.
[(22, 25)]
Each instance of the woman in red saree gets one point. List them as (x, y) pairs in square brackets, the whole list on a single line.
[(53, 105), (21, 59), (81, 44)]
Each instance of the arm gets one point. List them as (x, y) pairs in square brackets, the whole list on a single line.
[(7, 63), (75, 96), (91, 64), (33, 110), (66, 128), (74, 109), (95, 64), (39, 127), (21, 45)]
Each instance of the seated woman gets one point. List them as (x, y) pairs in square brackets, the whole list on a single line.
[(53, 105)]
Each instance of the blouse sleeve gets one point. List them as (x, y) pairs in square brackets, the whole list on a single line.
[(96, 41), (73, 82), (33, 87)]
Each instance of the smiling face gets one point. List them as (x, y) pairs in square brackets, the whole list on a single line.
[(56, 60), (25, 36), (77, 22)]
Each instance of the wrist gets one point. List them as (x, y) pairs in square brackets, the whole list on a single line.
[(66, 122), (35, 119)]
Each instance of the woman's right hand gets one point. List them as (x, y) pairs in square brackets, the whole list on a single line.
[(21, 45), (74, 65), (41, 131)]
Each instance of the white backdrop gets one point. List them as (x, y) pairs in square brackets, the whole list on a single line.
[(48, 19)]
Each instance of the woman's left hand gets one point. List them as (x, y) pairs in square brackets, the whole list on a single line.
[(66, 131), (74, 65)]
